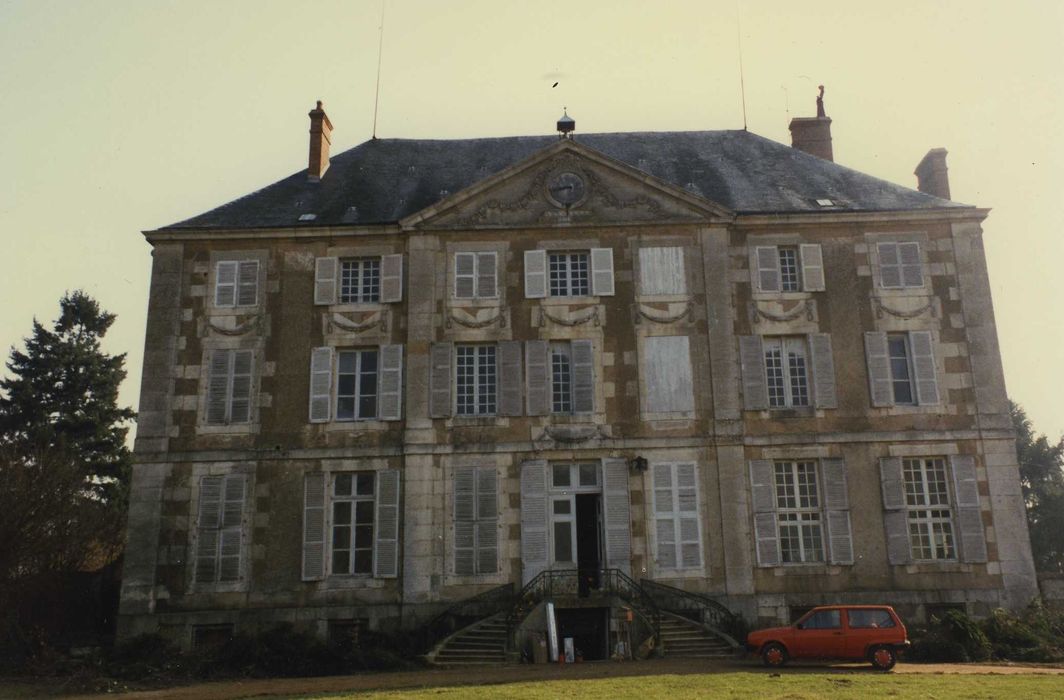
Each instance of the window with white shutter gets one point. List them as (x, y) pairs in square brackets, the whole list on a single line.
[(786, 371), (219, 556), (677, 525), (363, 384), (236, 283), (901, 368), (363, 524), (361, 280), (476, 380), (668, 384), (475, 275), (788, 268), (928, 509), (661, 271), (572, 377), (476, 517), (230, 380)]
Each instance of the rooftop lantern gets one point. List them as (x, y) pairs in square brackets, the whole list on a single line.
[(566, 125)]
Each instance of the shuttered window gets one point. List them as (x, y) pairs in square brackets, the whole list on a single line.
[(351, 540), (362, 384), (798, 508), (362, 533), (475, 275), (668, 384), (900, 265), (229, 384), (572, 387), (901, 368), (661, 271), (358, 280), (786, 372), (570, 274), (476, 380), (476, 518), (677, 525), (356, 384), (219, 556), (792, 268), (236, 283), (927, 501)]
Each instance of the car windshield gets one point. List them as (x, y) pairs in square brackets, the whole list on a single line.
[(870, 618), (822, 620)]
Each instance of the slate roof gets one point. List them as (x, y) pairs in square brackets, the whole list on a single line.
[(385, 180)]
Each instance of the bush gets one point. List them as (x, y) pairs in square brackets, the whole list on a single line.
[(953, 638), (1036, 634), (141, 657)]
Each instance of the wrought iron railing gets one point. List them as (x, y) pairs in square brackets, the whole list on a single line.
[(568, 583), (697, 607), (465, 612)]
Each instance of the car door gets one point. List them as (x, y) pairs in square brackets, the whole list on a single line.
[(819, 635)]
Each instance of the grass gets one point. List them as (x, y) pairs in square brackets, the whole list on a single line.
[(789, 685)]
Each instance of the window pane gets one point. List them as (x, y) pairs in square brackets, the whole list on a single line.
[(341, 538), (341, 562), (797, 371), (364, 537), (364, 484), (825, 619), (364, 512), (563, 545), (588, 475), (342, 484), (559, 275), (774, 374), (579, 278), (560, 474), (789, 269), (465, 378), (363, 561), (342, 513), (562, 507), (561, 380)]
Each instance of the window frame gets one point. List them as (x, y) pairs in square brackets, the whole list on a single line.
[(799, 516), (568, 492), (910, 369), (353, 498), (240, 282), (231, 379), (362, 278), (482, 397), (569, 284), (791, 383), (358, 396), (475, 275), (790, 282), (928, 514)]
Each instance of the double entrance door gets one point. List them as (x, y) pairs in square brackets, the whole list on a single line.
[(576, 522)]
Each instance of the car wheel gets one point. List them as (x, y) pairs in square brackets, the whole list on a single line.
[(774, 654), (883, 658)]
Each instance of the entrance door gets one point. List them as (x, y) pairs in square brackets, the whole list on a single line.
[(588, 540)]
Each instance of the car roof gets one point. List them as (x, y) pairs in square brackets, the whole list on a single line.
[(854, 607)]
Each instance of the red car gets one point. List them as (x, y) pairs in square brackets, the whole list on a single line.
[(850, 632)]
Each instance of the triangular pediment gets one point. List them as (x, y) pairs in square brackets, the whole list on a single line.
[(566, 184)]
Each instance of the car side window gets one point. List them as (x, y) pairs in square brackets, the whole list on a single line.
[(862, 619), (823, 620)]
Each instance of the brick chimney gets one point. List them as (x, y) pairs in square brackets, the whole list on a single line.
[(813, 134), (320, 138), (932, 175)]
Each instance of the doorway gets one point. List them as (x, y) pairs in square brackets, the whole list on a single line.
[(588, 541), (589, 628)]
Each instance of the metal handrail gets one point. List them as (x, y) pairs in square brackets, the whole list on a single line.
[(710, 612), (483, 605)]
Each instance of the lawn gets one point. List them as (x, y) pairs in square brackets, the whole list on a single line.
[(790, 685)]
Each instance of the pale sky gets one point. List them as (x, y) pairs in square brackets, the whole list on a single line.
[(118, 116)]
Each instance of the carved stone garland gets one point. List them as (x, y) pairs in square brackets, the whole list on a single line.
[(757, 313), (342, 323), (500, 317), (591, 314), (642, 312), (240, 329), (881, 308)]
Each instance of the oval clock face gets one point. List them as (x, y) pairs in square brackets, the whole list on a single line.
[(566, 188)]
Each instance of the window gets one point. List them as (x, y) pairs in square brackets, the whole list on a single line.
[(661, 271), (901, 382), (360, 280), (798, 506), (362, 384), (236, 283), (564, 529), (229, 387), (677, 528), (476, 377), (786, 372), (561, 367), (823, 620), (356, 385), (928, 505), (566, 480), (899, 265), (476, 521), (789, 268), (866, 619), (668, 384), (475, 275), (352, 523), (220, 529), (569, 274)]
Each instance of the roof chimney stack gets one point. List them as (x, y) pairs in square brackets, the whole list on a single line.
[(932, 175), (813, 134), (320, 138)]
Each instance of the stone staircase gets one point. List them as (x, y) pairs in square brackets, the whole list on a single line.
[(683, 638), (480, 644)]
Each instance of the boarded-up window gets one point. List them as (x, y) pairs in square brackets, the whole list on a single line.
[(220, 529), (677, 525), (229, 384), (668, 383), (476, 517), (661, 271)]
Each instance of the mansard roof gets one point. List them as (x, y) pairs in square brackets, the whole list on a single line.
[(385, 180)]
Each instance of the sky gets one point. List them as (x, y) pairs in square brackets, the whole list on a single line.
[(119, 116)]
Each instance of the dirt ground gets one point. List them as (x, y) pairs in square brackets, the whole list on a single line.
[(229, 690)]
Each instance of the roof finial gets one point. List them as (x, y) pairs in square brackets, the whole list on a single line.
[(820, 103), (566, 124)]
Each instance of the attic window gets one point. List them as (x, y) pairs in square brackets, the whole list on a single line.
[(825, 202), (308, 217)]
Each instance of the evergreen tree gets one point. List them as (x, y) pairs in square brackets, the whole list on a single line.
[(62, 394), (1042, 478)]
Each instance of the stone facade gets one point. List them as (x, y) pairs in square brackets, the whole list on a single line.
[(227, 525)]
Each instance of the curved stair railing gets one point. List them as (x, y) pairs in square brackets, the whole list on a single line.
[(550, 584), (696, 607), (466, 612)]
